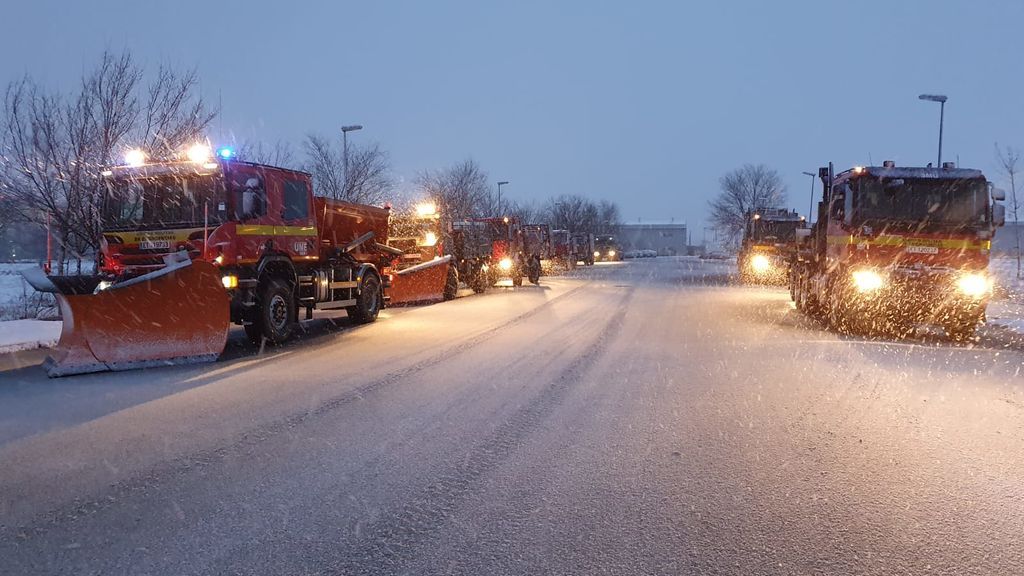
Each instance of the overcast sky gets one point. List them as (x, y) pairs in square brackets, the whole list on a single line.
[(646, 104)]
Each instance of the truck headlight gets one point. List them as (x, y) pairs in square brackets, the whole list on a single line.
[(974, 285), (505, 264), (230, 281), (597, 254), (866, 280), (611, 253), (760, 263)]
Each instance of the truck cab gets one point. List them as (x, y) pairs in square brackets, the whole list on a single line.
[(769, 245), (895, 247)]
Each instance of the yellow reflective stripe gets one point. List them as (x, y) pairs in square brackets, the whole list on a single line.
[(173, 235), (254, 230), (268, 230), (294, 231), (887, 240)]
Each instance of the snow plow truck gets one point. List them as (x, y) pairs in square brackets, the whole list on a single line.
[(896, 247), (488, 249), (769, 245), (421, 265), (190, 246)]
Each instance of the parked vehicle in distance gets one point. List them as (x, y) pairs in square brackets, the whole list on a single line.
[(607, 249)]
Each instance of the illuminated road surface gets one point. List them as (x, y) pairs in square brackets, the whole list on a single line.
[(636, 418)]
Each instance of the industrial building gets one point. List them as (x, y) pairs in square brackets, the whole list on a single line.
[(667, 238)]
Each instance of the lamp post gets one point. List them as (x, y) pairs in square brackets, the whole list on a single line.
[(941, 99), (500, 184), (344, 146), (810, 208)]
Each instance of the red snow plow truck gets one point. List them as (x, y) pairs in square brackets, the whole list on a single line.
[(190, 246), (895, 247)]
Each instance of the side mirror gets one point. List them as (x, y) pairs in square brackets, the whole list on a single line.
[(803, 233), (998, 215), (998, 194)]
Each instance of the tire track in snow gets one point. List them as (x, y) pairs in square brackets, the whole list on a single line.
[(392, 540), (188, 464)]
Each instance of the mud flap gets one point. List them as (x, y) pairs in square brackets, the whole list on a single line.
[(421, 283), (177, 314)]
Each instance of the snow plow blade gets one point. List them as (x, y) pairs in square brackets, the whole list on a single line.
[(421, 283), (178, 314)]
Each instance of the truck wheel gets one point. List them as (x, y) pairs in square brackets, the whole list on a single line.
[(367, 302), (451, 285), (517, 278), (534, 272), (276, 311), (479, 281)]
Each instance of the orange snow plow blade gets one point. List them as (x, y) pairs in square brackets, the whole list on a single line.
[(421, 283), (178, 314)]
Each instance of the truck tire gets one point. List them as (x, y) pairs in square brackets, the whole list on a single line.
[(479, 281), (367, 302), (451, 285), (275, 313), (517, 278), (533, 271)]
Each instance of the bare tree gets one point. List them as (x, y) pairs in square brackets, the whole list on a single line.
[(579, 214), (461, 190), (525, 212), (277, 154), (55, 146), (323, 163), (609, 217), (368, 181), (750, 187), (1008, 159)]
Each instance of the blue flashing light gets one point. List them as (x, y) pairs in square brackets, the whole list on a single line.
[(225, 152)]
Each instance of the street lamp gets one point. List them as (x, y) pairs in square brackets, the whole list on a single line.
[(344, 146), (500, 184), (810, 208), (941, 99)]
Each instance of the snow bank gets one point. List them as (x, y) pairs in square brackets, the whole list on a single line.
[(17, 335)]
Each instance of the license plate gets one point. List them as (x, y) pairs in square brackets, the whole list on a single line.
[(154, 245), (922, 249)]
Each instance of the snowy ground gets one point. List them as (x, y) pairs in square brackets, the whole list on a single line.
[(628, 418), (18, 301), (18, 335), (1007, 309)]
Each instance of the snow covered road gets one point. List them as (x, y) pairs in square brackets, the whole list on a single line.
[(635, 418)]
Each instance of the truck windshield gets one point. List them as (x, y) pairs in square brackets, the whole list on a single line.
[(773, 230), (604, 240), (165, 202), (923, 203)]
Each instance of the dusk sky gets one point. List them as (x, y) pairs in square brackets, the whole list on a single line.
[(643, 103)]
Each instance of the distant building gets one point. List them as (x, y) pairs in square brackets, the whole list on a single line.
[(665, 237)]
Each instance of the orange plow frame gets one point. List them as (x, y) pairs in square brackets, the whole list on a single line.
[(421, 283), (178, 314)]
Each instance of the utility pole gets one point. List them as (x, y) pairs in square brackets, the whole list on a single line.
[(810, 208), (941, 99), (500, 184), (344, 148)]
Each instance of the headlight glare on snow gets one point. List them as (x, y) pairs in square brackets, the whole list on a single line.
[(974, 285), (505, 264), (867, 280), (760, 263)]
